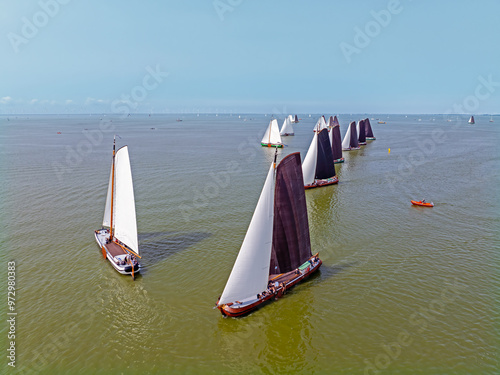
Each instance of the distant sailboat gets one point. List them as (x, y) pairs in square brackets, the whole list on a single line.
[(320, 124), (287, 128), (318, 167), (119, 243), (471, 120), (361, 130), (276, 252), (295, 119), (350, 141), (272, 137), (329, 123), (368, 130), (336, 143), (491, 119)]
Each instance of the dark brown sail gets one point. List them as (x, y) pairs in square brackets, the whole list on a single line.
[(368, 129), (353, 143), (291, 242), (324, 163), (362, 134), (336, 143)]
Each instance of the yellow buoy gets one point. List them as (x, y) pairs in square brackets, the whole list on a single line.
[(389, 151)]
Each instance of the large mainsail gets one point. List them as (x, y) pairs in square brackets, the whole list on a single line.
[(368, 129), (354, 136), (291, 242), (335, 121), (309, 164), (336, 141), (324, 164), (361, 132), (125, 223), (272, 134), (251, 269)]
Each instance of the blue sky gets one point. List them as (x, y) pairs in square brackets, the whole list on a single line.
[(248, 56)]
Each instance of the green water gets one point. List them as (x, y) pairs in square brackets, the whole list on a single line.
[(402, 289)]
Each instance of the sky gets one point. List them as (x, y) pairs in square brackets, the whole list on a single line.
[(249, 56)]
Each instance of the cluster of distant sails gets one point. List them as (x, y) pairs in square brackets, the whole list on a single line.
[(276, 251), (326, 146)]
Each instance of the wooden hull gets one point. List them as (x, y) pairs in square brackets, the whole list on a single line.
[(271, 145), (284, 281), (351, 148), (420, 203), (287, 134), (320, 183), (337, 161), (370, 138), (362, 143)]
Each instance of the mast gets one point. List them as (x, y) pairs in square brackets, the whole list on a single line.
[(112, 189)]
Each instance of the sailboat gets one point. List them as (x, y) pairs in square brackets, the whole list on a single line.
[(272, 137), (491, 119), (350, 141), (287, 128), (361, 130), (318, 167), (320, 124), (336, 143), (295, 119), (471, 120), (368, 130), (276, 252), (118, 236), (329, 123)]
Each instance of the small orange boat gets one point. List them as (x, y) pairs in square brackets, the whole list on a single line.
[(422, 203)]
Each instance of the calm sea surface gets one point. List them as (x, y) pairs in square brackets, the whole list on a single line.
[(406, 290)]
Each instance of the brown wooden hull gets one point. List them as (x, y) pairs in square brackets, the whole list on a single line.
[(285, 281)]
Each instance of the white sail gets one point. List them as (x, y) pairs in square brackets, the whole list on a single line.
[(346, 142), (357, 128), (106, 221), (272, 134), (290, 117), (309, 163), (320, 125), (250, 272), (287, 127), (124, 208)]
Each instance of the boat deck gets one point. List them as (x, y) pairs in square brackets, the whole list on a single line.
[(283, 277), (115, 249)]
